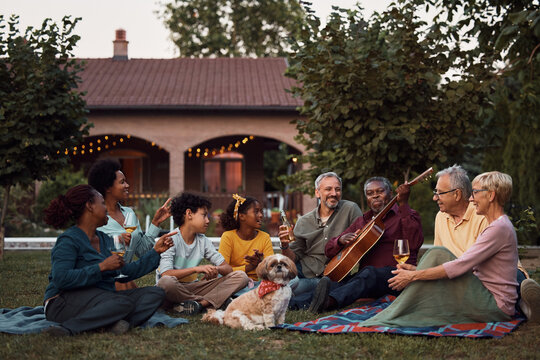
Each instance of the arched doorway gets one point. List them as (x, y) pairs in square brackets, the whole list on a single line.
[(145, 163), (220, 167)]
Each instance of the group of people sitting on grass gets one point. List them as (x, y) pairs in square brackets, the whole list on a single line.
[(472, 274)]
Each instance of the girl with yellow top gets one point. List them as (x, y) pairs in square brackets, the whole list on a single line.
[(244, 245)]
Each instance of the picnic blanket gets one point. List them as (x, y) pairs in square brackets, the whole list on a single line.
[(30, 320), (348, 322), (463, 299)]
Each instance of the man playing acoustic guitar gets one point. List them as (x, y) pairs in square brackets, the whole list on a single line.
[(374, 270)]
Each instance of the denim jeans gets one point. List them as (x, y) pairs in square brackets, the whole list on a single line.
[(302, 289), (369, 282)]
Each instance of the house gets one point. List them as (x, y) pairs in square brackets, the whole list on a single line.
[(184, 124)]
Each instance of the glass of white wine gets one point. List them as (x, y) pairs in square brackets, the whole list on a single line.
[(130, 222), (118, 247), (401, 250)]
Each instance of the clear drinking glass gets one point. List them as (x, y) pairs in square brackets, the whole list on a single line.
[(118, 247), (401, 250), (130, 222)]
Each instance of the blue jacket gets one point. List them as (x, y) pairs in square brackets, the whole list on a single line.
[(75, 263)]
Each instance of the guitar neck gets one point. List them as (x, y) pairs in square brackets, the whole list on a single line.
[(415, 181), (421, 177)]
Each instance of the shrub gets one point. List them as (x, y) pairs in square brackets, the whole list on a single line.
[(50, 189)]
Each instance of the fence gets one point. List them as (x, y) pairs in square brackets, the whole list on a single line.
[(46, 243)]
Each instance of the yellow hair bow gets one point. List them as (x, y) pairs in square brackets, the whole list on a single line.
[(239, 201)]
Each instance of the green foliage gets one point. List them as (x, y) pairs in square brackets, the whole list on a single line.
[(25, 212), (149, 206), (525, 224), (276, 163), (507, 59), (19, 216), (43, 113), (374, 99), (421, 200), (232, 28), (59, 184)]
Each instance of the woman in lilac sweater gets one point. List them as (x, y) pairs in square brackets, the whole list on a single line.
[(479, 286)]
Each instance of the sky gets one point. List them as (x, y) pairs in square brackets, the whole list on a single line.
[(145, 31)]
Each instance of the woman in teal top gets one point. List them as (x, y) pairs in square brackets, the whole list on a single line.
[(106, 177), (81, 294)]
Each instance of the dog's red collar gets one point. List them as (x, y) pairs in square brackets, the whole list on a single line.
[(267, 287)]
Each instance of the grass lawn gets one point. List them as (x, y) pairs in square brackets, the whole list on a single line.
[(23, 278)]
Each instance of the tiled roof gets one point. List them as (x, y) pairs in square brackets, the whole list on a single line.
[(221, 83)]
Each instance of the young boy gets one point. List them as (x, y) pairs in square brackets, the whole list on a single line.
[(180, 267)]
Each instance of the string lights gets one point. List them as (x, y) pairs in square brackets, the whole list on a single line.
[(199, 152), (107, 142), (101, 143)]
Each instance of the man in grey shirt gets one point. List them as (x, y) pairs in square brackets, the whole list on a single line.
[(313, 230)]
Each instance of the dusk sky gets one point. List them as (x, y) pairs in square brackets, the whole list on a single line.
[(146, 33)]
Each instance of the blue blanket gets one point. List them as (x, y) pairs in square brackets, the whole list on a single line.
[(29, 320)]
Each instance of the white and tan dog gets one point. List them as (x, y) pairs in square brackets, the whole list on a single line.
[(264, 306)]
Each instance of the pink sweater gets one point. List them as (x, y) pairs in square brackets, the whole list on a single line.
[(493, 259)]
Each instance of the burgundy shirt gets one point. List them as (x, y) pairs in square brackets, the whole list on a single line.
[(400, 222)]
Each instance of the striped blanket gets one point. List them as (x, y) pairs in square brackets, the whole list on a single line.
[(348, 322)]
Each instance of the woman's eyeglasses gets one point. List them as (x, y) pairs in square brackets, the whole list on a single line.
[(474, 191)]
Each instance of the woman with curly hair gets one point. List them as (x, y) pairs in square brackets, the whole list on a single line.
[(106, 177), (81, 294)]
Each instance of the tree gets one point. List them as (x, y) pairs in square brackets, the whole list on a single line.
[(232, 27), (507, 58), (377, 97), (42, 114)]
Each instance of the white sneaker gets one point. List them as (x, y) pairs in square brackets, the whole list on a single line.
[(530, 300)]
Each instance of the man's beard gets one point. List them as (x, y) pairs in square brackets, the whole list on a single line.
[(330, 205)]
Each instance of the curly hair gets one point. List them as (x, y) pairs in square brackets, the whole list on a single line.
[(181, 203), (227, 218), (386, 183), (65, 208), (102, 174)]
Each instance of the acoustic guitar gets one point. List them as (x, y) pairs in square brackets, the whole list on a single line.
[(365, 239)]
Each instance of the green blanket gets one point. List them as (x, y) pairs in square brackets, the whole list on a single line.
[(447, 301)]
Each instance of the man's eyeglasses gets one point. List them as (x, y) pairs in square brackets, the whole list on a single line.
[(474, 191), (438, 194)]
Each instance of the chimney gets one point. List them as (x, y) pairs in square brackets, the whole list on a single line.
[(120, 45)]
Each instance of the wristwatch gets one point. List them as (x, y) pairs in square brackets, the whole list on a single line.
[(283, 247)]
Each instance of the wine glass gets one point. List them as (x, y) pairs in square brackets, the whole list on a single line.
[(118, 247), (401, 250), (130, 222)]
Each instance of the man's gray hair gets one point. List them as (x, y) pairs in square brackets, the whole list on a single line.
[(458, 179), (383, 180), (325, 175)]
